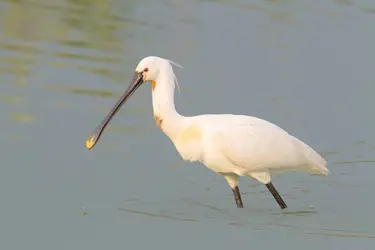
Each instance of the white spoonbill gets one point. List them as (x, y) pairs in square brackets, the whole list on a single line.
[(230, 145)]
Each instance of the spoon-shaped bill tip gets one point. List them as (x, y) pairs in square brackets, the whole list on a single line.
[(90, 142)]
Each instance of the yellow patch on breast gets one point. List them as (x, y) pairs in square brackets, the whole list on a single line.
[(190, 134)]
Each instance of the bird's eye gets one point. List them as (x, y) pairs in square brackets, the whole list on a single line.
[(145, 70)]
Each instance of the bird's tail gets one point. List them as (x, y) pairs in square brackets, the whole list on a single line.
[(317, 162)]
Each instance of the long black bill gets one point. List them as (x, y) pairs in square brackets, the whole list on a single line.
[(135, 83)]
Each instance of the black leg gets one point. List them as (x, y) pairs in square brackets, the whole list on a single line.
[(276, 195), (237, 197)]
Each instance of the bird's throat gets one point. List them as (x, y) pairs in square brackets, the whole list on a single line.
[(153, 85)]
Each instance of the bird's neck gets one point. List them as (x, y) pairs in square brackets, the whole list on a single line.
[(165, 114)]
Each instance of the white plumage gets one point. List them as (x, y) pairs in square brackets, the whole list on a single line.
[(231, 145), (244, 144)]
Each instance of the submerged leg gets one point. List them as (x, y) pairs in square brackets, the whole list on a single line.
[(232, 180), (276, 195)]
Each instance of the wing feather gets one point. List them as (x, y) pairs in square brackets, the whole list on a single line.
[(262, 146)]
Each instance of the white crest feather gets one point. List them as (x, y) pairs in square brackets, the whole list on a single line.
[(174, 76), (175, 64)]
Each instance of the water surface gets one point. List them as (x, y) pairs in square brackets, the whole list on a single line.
[(304, 65)]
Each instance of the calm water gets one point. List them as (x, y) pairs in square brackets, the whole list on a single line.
[(306, 65)]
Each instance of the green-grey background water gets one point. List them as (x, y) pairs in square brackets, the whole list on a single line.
[(307, 66)]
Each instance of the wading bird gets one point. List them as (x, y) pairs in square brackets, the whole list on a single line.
[(230, 145)]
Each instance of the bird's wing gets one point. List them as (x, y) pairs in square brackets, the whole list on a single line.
[(259, 147)]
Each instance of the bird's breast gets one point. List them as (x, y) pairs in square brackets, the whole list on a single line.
[(189, 143)]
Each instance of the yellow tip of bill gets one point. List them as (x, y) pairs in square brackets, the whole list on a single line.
[(90, 142)]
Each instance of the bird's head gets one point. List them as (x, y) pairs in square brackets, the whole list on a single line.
[(149, 67)]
